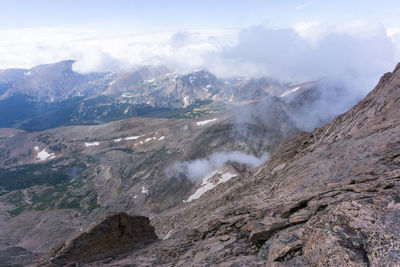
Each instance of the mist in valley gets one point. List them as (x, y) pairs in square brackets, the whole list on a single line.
[(196, 169)]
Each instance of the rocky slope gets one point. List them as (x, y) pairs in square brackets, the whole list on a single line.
[(79, 173), (326, 198)]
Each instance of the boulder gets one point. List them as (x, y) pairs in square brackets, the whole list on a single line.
[(109, 236)]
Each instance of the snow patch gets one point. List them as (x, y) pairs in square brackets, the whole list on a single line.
[(118, 140), (161, 138), (186, 101), (244, 78), (127, 95), (205, 122), (168, 235), (144, 190), (149, 139), (28, 73), (36, 148), (226, 177), (290, 91), (133, 137), (43, 155), (92, 144), (206, 185), (168, 74)]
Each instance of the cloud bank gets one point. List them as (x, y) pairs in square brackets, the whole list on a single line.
[(353, 56), (199, 168), (355, 53)]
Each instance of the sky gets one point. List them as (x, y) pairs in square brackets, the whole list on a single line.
[(180, 14), (292, 40)]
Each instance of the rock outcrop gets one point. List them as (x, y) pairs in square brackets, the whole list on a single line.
[(114, 234), (326, 198)]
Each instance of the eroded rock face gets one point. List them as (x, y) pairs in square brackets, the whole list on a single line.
[(114, 234)]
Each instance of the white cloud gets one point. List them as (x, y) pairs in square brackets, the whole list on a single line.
[(394, 34), (95, 51), (312, 31), (355, 57), (356, 53), (97, 61), (199, 168)]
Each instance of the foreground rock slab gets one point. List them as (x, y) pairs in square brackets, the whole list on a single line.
[(111, 235)]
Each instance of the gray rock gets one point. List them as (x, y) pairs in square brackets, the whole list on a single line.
[(114, 234)]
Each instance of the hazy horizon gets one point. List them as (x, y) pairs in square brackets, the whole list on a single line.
[(294, 41)]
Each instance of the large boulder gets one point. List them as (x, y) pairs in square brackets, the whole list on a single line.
[(109, 236)]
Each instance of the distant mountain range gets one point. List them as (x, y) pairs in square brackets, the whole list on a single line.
[(53, 95)]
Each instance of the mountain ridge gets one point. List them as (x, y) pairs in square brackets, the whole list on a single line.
[(53, 95)]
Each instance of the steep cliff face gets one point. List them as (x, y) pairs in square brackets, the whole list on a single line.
[(326, 198)]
